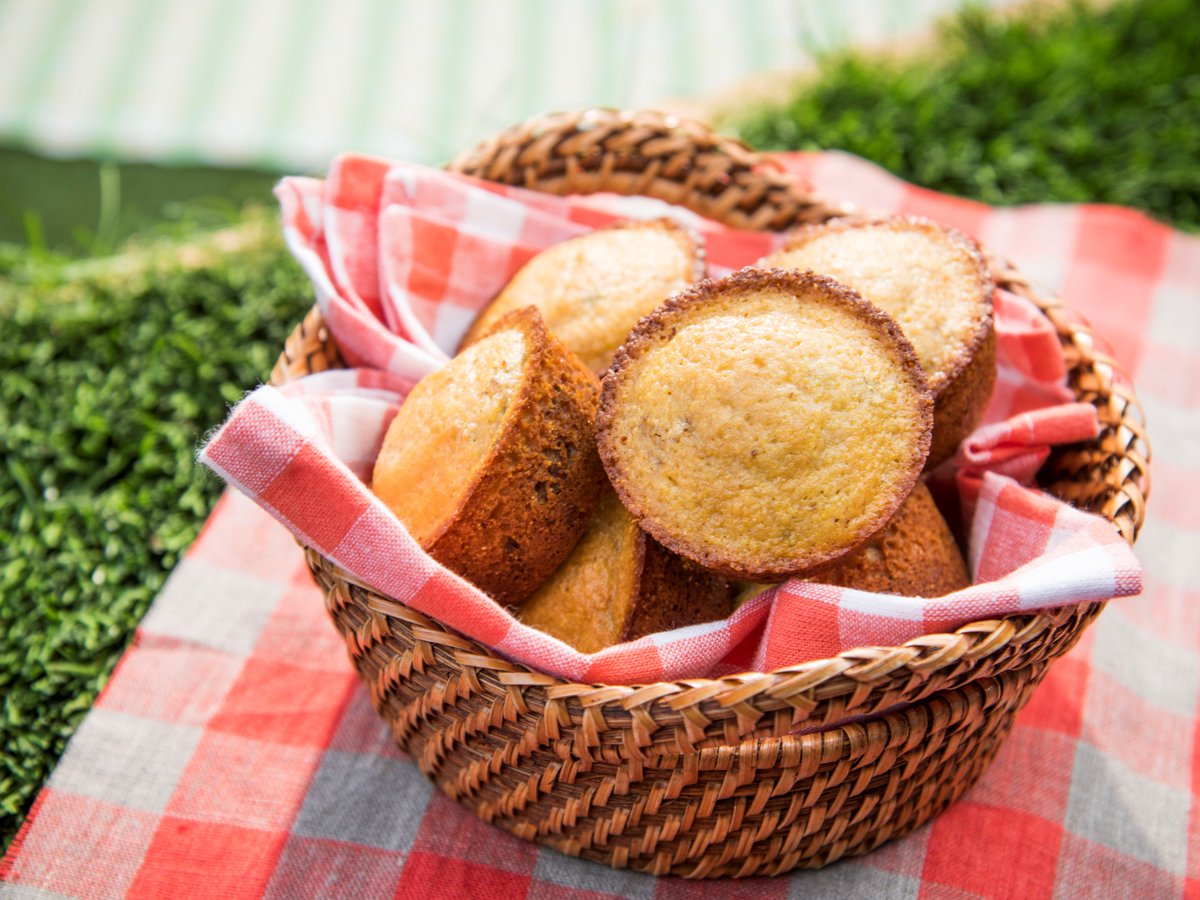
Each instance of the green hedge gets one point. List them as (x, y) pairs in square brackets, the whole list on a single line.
[(112, 371), (1061, 105)]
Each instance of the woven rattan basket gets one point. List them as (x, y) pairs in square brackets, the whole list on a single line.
[(746, 775)]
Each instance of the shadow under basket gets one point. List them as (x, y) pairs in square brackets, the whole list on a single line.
[(753, 774)]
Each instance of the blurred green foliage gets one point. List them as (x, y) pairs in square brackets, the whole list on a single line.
[(1061, 104), (112, 371)]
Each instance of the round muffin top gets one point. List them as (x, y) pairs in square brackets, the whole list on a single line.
[(591, 290), (764, 424), (446, 429), (932, 280)]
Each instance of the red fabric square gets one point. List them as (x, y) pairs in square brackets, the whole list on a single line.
[(800, 628), (170, 681), (451, 832), (967, 216), (232, 779), (285, 704), (741, 655), (291, 493), (1031, 774), (1115, 267), (357, 182), (202, 859), (735, 249), (644, 658), (300, 631), (243, 445), (994, 852), (317, 868), (435, 242), (429, 875), (79, 847), (1057, 703), (1090, 870)]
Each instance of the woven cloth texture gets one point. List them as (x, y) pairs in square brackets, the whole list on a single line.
[(233, 753), (403, 257)]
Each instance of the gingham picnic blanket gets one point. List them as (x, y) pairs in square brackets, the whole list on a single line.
[(234, 754), (403, 257)]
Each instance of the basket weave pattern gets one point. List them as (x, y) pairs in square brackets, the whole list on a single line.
[(751, 774)]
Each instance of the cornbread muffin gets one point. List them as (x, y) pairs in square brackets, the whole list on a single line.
[(491, 463), (914, 556), (619, 584), (764, 424), (592, 290), (934, 282)]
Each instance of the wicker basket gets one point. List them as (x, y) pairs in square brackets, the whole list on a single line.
[(751, 774)]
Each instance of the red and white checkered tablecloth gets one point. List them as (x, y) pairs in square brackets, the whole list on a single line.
[(233, 753)]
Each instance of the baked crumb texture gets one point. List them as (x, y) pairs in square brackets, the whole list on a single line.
[(491, 463), (619, 584), (592, 290), (764, 424), (914, 556), (935, 283)]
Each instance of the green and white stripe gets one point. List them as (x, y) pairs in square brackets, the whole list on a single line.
[(289, 83)]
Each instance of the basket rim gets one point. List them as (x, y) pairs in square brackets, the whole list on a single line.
[(1119, 455)]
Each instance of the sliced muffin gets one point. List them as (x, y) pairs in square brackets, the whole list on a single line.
[(591, 290), (764, 424), (914, 556), (619, 584), (491, 463), (935, 283)]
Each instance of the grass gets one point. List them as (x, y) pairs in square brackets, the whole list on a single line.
[(113, 368), (1061, 104), (111, 374), (92, 206)]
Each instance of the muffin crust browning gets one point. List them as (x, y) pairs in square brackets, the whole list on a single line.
[(764, 424), (591, 290), (491, 461), (935, 283)]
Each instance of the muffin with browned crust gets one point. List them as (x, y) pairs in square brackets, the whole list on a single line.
[(935, 283), (914, 556), (491, 463), (591, 290), (620, 584), (764, 424)]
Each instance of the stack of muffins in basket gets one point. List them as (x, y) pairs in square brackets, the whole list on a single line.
[(622, 447)]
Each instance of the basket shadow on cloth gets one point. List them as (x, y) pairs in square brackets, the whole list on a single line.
[(754, 774)]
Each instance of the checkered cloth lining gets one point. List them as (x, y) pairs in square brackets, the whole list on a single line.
[(233, 754), (402, 257)]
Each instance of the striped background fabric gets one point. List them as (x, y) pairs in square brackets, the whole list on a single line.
[(285, 84), (234, 754)]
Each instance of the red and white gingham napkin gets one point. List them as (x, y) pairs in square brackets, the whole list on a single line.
[(402, 258)]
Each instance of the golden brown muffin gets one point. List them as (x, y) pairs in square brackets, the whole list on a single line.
[(491, 463), (914, 556), (764, 424), (591, 290), (934, 282), (620, 584)]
